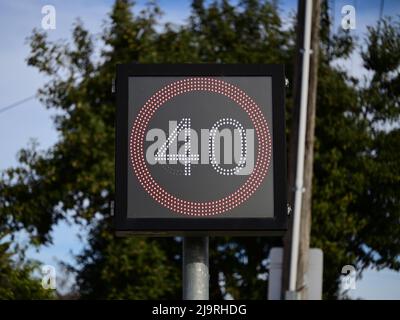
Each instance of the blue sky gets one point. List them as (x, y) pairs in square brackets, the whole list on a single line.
[(32, 120)]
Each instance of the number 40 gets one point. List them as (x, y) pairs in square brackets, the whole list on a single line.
[(187, 157)]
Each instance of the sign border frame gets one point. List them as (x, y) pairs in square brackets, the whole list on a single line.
[(275, 226)]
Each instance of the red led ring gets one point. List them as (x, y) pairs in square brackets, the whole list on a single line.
[(192, 208)]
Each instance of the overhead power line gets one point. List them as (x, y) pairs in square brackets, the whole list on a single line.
[(16, 104)]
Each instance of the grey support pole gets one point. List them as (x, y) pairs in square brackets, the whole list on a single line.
[(195, 268)]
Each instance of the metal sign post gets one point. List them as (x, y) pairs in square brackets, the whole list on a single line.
[(196, 276), (200, 151)]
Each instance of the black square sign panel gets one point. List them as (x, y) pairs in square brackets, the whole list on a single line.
[(200, 149)]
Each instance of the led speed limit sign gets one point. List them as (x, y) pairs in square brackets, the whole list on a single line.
[(200, 149)]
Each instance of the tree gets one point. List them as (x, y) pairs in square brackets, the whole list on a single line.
[(16, 275), (357, 167), (75, 178)]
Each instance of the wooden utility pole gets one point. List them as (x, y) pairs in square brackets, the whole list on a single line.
[(293, 141), (305, 224)]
